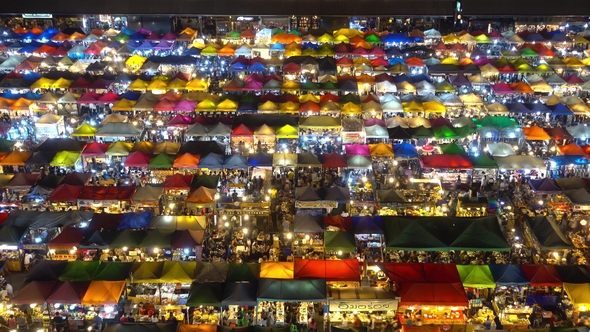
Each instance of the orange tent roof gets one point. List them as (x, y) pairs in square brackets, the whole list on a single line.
[(97, 32), (21, 105), (202, 196), (521, 87), (60, 37), (103, 292), (536, 133), (36, 31), (414, 62), (248, 34), (566, 150), (16, 158), (285, 38), (20, 30), (187, 160), (226, 51)]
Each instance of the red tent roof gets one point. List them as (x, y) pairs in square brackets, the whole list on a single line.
[(102, 193), (448, 294), (178, 182), (446, 161), (164, 105), (137, 159), (334, 160), (291, 67), (309, 106), (344, 62), (93, 50), (95, 149), (344, 223), (241, 130), (502, 89), (80, 83), (541, 275), (419, 272), (329, 97), (65, 193), (289, 98), (68, 292), (68, 238), (34, 292), (187, 239), (107, 98), (342, 270)]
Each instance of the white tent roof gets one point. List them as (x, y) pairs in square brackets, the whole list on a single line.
[(49, 119), (520, 163), (500, 149)]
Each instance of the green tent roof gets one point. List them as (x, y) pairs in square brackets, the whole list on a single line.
[(528, 52), (328, 86), (445, 132), (113, 271), (243, 272), (207, 181), (309, 86), (350, 98), (122, 37), (161, 161), (422, 132), (10, 235), (147, 272), (178, 272), (157, 238), (481, 235), (128, 238), (452, 149), (79, 271), (232, 35), (249, 98), (495, 121), (294, 32), (477, 276), (205, 294), (6, 145), (278, 31), (483, 161), (339, 241), (313, 290), (374, 39)]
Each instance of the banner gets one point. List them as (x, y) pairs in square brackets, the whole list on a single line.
[(363, 305)]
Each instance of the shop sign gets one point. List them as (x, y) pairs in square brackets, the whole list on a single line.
[(316, 204), (230, 212), (37, 16), (559, 206), (245, 18), (363, 305), (34, 246), (581, 207), (255, 212)]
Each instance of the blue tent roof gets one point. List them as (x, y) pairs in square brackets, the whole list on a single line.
[(115, 44), (367, 225), (247, 107), (234, 161), (31, 76), (193, 51), (277, 47), (135, 220), (28, 49), (394, 52), (310, 45), (238, 66), (405, 150), (260, 159), (402, 78), (420, 78), (29, 35), (395, 61), (212, 160), (146, 46), (568, 160), (8, 35), (538, 107), (128, 32), (560, 109), (130, 95), (518, 108), (257, 67), (16, 45), (398, 38), (508, 275)]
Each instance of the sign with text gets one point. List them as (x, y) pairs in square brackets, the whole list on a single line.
[(363, 305)]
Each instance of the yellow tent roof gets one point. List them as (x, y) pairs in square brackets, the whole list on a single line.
[(135, 61), (227, 105), (206, 104), (42, 83), (268, 106), (361, 61), (413, 106), (434, 106), (124, 105), (381, 150), (138, 85), (326, 38), (451, 39), (209, 50), (287, 131), (120, 149), (84, 130), (196, 85), (61, 83), (114, 118), (341, 39), (348, 33), (309, 97), (449, 61), (277, 270), (188, 31), (307, 52), (292, 52), (157, 85), (579, 294), (290, 86), (176, 84), (553, 100), (351, 108), (65, 159), (264, 130), (289, 107)]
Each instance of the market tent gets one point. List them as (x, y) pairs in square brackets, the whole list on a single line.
[(306, 194), (483, 162), (201, 195), (98, 239), (177, 272), (405, 150), (147, 195), (578, 293), (35, 292), (146, 272), (65, 193), (481, 234), (451, 294), (381, 150), (284, 159), (476, 276), (308, 223), (339, 241), (184, 239), (333, 160), (331, 270), (157, 238), (573, 274), (243, 294), (79, 271), (145, 327), (205, 294), (243, 272), (446, 161), (536, 133), (578, 196), (68, 292), (545, 186), (391, 196), (277, 270), (103, 292), (548, 234), (211, 272), (135, 220), (46, 270), (421, 272), (510, 275), (540, 275), (520, 162), (65, 159), (113, 271), (500, 149), (193, 223), (367, 225), (292, 290)]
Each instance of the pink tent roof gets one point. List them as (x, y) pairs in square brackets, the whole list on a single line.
[(109, 98), (573, 80), (502, 89), (342, 49), (375, 122), (164, 105), (254, 77), (186, 106), (93, 50), (180, 121), (89, 98), (357, 150), (360, 51), (252, 86), (137, 159)]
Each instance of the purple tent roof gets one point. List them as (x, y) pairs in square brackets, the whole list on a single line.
[(357, 150), (459, 80), (185, 105), (545, 186), (477, 53), (144, 32), (146, 46), (164, 46), (482, 61), (375, 122)]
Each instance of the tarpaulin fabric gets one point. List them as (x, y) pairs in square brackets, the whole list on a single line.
[(339, 241), (100, 193), (541, 275), (211, 272), (69, 237), (308, 223), (185, 239), (292, 290), (477, 276), (449, 294), (79, 271), (331, 270), (65, 193), (103, 292), (46, 270), (545, 186), (446, 161), (243, 294), (205, 294), (135, 220), (146, 272), (212, 328), (177, 272), (548, 234), (367, 225), (68, 292), (579, 294), (573, 274), (418, 272), (34, 292), (509, 275), (98, 240), (277, 270), (243, 272)]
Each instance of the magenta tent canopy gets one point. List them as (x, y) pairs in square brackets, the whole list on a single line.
[(375, 122), (252, 86), (108, 98), (357, 150), (164, 46), (502, 89), (180, 121), (185, 106)]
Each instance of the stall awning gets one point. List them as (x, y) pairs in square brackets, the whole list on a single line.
[(433, 294), (143, 327), (211, 272), (292, 290), (205, 294), (339, 241), (541, 275), (476, 276), (548, 234), (308, 223), (103, 292), (35, 292), (68, 292), (421, 272), (361, 299), (344, 270), (237, 293), (243, 272), (509, 275), (573, 274), (79, 271), (277, 270), (46, 270)]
